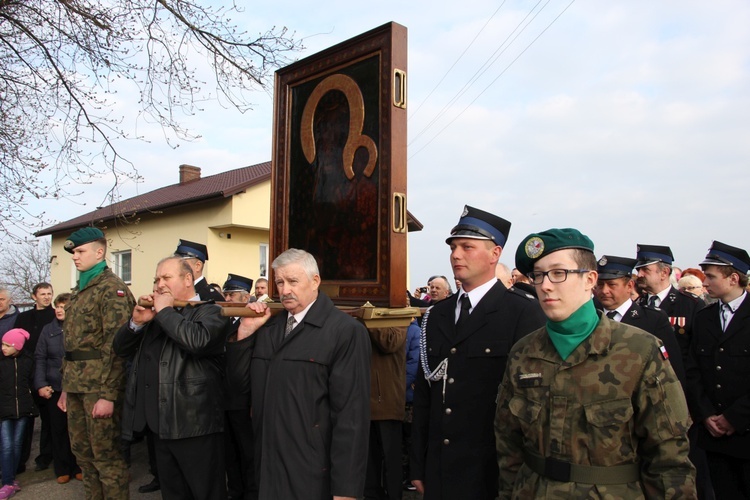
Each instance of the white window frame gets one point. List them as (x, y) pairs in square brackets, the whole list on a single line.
[(118, 266)]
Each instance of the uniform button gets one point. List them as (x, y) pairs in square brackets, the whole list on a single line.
[(488, 350), (718, 368), (446, 441), (450, 380), (721, 349), (448, 411), (453, 350), (718, 386)]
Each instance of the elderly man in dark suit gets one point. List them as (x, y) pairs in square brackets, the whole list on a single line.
[(310, 389), (466, 342)]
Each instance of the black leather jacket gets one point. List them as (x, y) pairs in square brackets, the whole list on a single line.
[(190, 370)]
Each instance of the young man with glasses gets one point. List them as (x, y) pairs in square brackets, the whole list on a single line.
[(588, 407)]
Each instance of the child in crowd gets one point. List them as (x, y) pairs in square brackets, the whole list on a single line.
[(48, 383), (16, 405)]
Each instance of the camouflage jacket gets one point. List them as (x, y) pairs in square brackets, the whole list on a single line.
[(614, 401), (92, 318)]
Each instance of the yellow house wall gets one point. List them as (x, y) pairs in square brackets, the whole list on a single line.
[(244, 216)]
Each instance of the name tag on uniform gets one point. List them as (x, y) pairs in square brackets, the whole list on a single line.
[(529, 379)]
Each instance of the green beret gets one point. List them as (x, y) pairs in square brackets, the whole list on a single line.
[(81, 237), (538, 245)]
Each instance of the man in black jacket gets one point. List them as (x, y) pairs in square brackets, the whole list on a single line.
[(33, 321), (310, 381), (175, 384), (614, 288), (719, 369), (196, 255), (654, 267), (466, 347)]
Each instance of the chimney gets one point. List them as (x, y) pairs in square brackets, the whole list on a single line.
[(189, 173)]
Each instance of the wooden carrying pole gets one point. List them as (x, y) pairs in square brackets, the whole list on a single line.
[(369, 315)]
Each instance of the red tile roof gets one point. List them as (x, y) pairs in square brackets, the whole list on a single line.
[(216, 186)]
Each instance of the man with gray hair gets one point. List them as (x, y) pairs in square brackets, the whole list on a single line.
[(310, 389), (8, 312)]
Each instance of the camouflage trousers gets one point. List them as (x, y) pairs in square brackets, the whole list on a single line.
[(96, 445)]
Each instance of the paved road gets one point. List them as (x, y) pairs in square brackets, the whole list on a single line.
[(43, 485)]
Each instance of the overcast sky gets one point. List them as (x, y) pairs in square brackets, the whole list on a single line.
[(628, 120)]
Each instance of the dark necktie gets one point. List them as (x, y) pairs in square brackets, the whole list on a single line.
[(652, 300), (289, 326), (463, 316), (612, 314)]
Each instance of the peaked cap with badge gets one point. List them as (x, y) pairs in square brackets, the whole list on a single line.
[(538, 245), (611, 267), (651, 254), (721, 254), (480, 225), (191, 250), (237, 283), (81, 237)]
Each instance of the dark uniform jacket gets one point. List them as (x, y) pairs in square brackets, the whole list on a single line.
[(206, 292), (189, 370), (719, 378), (237, 391), (453, 441), (680, 307), (311, 405), (656, 322)]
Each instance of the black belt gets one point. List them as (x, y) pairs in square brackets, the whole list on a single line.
[(558, 470), (82, 355)]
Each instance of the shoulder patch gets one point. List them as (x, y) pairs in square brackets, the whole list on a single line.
[(521, 293)]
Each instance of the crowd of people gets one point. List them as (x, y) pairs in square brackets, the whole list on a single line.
[(568, 375)]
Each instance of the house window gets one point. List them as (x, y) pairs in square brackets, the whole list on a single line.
[(263, 260), (123, 267)]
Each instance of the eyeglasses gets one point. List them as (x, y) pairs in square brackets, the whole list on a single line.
[(690, 287), (554, 275)]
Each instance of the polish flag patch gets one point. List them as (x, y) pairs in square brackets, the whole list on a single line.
[(664, 352), (120, 293)]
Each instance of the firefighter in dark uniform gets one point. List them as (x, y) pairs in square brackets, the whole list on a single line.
[(238, 427), (196, 255), (465, 342), (719, 371), (654, 266), (613, 291)]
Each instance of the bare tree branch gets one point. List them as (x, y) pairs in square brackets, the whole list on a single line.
[(23, 265), (62, 63)]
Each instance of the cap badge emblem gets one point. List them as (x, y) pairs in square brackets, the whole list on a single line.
[(534, 247)]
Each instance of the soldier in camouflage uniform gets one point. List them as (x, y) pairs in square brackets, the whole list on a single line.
[(93, 376), (588, 407)]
